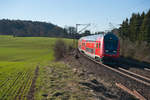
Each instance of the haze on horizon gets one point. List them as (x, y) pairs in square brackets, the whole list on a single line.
[(99, 13)]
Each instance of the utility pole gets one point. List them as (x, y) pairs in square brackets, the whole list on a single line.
[(86, 25), (77, 25), (79, 31)]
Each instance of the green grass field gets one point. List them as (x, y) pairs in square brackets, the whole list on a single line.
[(19, 57)]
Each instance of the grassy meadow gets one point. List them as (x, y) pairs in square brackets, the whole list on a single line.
[(19, 57)]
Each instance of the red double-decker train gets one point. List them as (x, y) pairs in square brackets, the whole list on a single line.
[(102, 47)]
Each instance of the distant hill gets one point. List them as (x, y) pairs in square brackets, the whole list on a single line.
[(30, 28)]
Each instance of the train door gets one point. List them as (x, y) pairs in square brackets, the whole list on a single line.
[(97, 48)]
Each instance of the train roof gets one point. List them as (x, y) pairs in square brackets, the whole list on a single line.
[(95, 37)]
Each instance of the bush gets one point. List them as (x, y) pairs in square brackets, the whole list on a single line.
[(135, 50), (61, 48)]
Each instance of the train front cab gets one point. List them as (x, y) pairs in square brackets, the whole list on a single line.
[(110, 49)]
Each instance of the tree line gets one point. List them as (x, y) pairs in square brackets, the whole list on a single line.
[(137, 28), (22, 28), (29, 28)]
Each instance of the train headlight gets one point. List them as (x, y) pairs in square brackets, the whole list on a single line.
[(114, 51), (106, 50)]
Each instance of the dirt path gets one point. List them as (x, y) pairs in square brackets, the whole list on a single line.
[(87, 68), (31, 92)]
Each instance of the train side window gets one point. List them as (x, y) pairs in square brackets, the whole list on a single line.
[(99, 45), (91, 50), (96, 45), (83, 44), (80, 46), (87, 49)]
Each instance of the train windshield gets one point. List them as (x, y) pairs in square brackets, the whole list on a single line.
[(111, 46)]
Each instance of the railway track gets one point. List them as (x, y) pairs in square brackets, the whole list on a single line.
[(136, 77), (141, 78), (124, 72), (147, 69)]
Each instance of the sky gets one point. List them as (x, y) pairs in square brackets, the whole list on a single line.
[(98, 13)]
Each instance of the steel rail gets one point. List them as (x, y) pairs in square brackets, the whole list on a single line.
[(146, 78), (118, 71)]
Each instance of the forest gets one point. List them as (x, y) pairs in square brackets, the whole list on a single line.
[(24, 28), (29, 28), (137, 28)]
